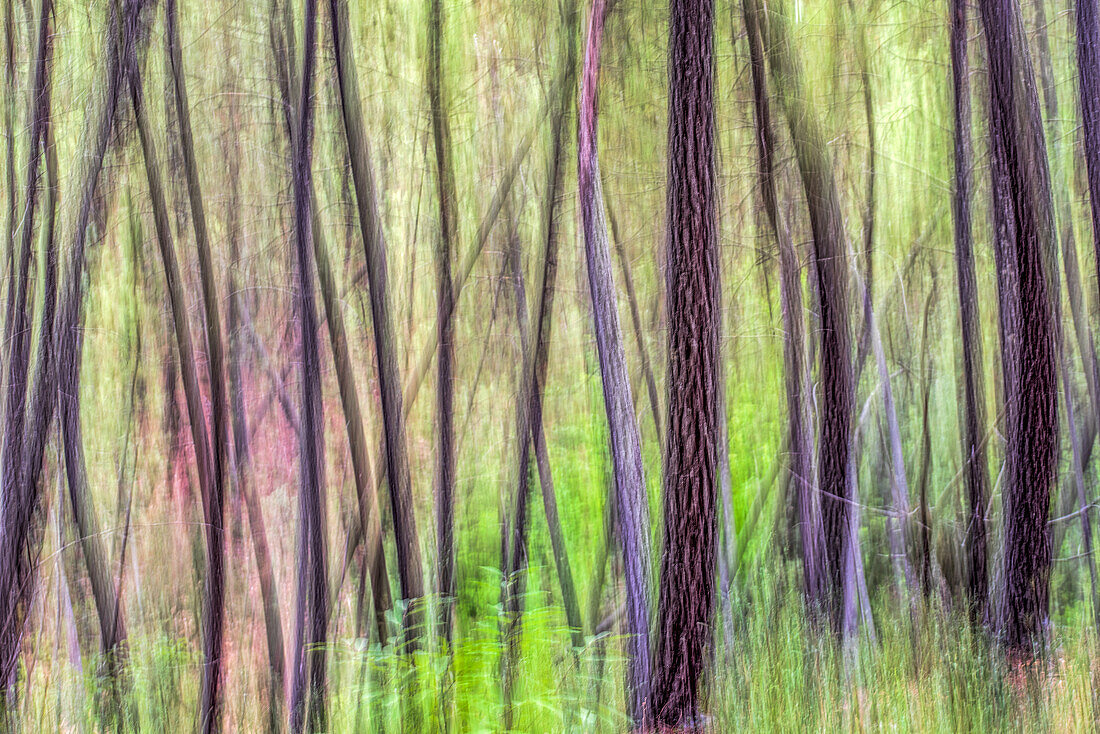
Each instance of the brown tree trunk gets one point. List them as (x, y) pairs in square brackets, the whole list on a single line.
[(977, 471)]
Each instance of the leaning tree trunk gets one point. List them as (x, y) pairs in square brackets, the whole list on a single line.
[(799, 420), (312, 604), (17, 327), (214, 595), (389, 379), (626, 453), (362, 468), (693, 293), (837, 397), (535, 350), (1019, 169)]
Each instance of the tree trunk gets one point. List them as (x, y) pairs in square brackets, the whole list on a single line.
[(626, 455), (974, 456), (214, 593), (799, 420), (445, 448), (242, 470), (389, 381), (312, 606), (693, 293), (1020, 171), (835, 467), (1088, 83), (20, 508)]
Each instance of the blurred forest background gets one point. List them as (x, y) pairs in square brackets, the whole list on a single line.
[(330, 448)]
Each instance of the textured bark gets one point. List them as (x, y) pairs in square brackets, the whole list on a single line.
[(214, 587), (799, 420), (445, 444), (311, 622), (626, 456), (973, 443), (389, 380), (837, 389), (1020, 171), (693, 302)]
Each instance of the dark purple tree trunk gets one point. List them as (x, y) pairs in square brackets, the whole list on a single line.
[(20, 487), (312, 605), (693, 293), (977, 472), (214, 589), (394, 405), (799, 422), (1019, 169), (837, 385), (445, 449)]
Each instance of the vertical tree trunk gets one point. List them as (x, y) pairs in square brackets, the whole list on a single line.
[(693, 293), (626, 456), (1082, 499), (17, 326), (543, 314), (799, 420), (312, 605), (1019, 161), (445, 449), (974, 456), (923, 482), (10, 218), (362, 467)]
